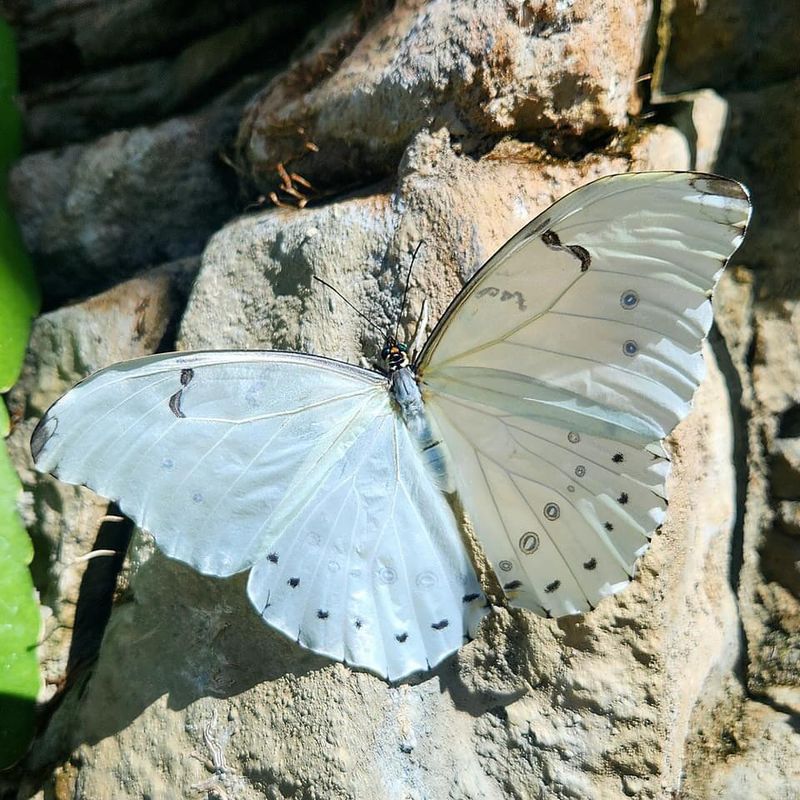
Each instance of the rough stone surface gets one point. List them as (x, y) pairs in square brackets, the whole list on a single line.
[(479, 69), (59, 35), (727, 44), (86, 105), (745, 738), (132, 319), (94, 214), (686, 684)]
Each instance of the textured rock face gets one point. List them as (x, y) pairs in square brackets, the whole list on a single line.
[(727, 44), (478, 69), (684, 685), (93, 214)]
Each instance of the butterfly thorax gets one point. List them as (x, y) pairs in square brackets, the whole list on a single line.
[(395, 355)]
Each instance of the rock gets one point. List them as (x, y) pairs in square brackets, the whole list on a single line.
[(135, 318), (92, 215), (56, 37), (757, 311), (87, 105), (751, 153), (762, 763), (785, 469), (701, 118), (478, 70), (788, 518), (726, 44)]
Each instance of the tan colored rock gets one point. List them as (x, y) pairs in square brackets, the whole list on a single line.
[(479, 69), (757, 314), (763, 762)]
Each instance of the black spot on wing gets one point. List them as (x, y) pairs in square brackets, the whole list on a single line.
[(512, 585), (608, 526), (623, 498), (441, 625), (618, 458), (273, 558), (293, 582), (551, 587), (322, 614), (468, 598), (553, 241), (590, 564), (401, 637), (175, 404), (582, 254), (175, 400)]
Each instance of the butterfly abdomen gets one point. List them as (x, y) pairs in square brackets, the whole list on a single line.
[(406, 392)]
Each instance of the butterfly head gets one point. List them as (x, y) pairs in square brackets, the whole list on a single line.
[(394, 354)]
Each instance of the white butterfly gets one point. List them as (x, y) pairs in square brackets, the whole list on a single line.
[(542, 396)]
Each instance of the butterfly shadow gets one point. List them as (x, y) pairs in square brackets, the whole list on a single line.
[(179, 635), (183, 636)]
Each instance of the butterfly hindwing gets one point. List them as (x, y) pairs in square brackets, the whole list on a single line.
[(372, 572), (558, 369)]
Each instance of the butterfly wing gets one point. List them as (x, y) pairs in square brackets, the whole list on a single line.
[(293, 465), (561, 365)]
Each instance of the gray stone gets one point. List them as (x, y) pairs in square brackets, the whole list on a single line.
[(86, 105), (55, 36), (92, 215), (727, 44)]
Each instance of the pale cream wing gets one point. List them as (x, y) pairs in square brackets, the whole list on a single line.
[(565, 360)]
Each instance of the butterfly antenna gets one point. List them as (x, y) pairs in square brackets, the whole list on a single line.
[(405, 291), (360, 314)]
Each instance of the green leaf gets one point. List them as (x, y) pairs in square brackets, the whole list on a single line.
[(19, 623), (19, 302), (19, 296)]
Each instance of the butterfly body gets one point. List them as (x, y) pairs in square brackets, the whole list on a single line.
[(541, 396), (406, 393)]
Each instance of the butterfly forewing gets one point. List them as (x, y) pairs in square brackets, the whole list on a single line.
[(564, 361), (292, 463)]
